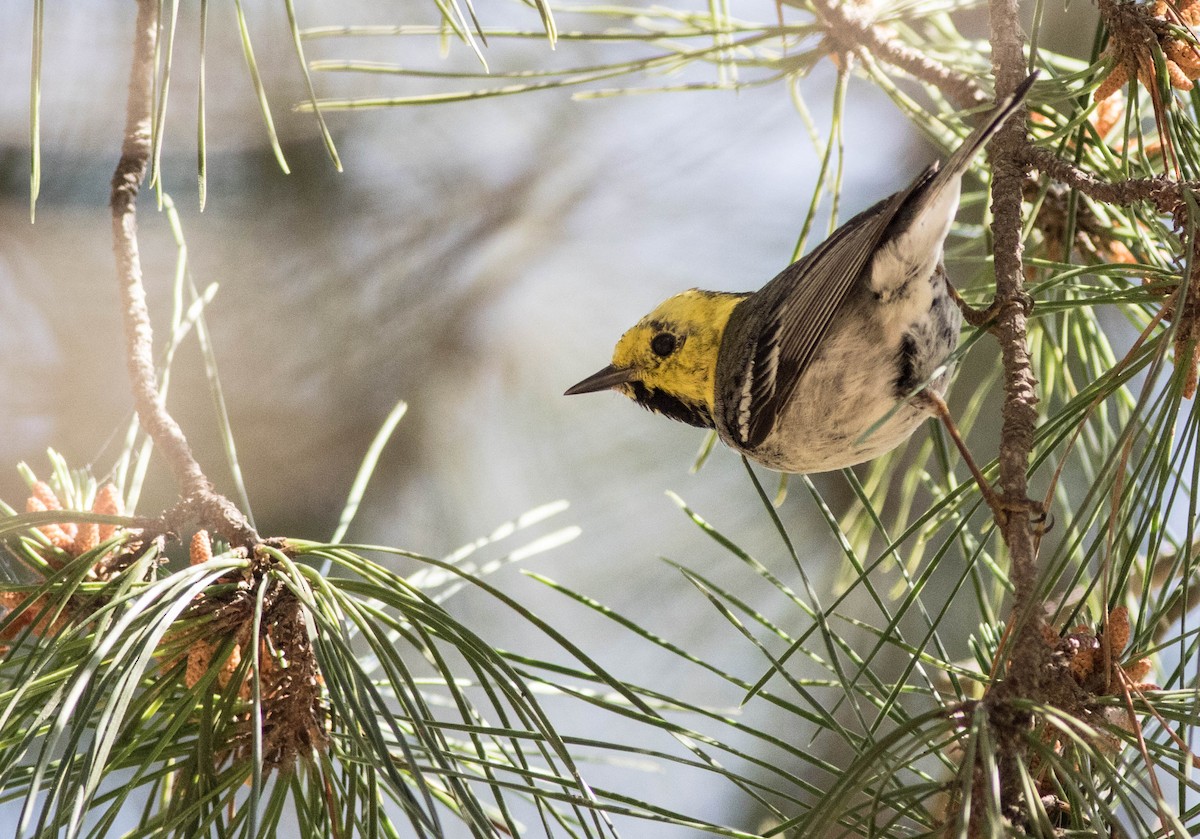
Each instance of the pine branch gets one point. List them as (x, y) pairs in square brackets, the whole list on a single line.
[(1164, 193), (1026, 659), (200, 501), (1020, 396)]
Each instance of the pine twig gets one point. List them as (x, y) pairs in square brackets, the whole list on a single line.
[(849, 24), (1164, 193), (200, 501)]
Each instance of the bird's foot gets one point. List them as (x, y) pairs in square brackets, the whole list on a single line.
[(985, 318)]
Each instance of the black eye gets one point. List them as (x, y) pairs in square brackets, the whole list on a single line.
[(663, 344)]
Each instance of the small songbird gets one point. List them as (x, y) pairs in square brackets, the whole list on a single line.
[(805, 374)]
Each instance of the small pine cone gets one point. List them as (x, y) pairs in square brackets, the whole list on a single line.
[(1083, 646), (200, 656), (87, 537), (43, 493), (1118, 252), (1179, 79), (1115, 80), (1117, 630), (1040, 119), (168, 660), (201, 548), (1189, 10), (1185, 55), (56, 533), (37, 614), (108, 502), (1083, 663), (1109, 111), (11, 600), (1137, 671)]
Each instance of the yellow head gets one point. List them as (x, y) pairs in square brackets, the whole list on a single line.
[(668, 361)]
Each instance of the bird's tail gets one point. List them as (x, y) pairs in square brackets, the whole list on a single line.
[(958, 162)]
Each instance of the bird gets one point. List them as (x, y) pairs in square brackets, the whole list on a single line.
[(835, 361)]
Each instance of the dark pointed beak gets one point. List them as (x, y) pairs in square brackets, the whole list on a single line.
[(611, 376)]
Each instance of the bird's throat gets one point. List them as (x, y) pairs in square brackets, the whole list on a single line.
[(652, 399)]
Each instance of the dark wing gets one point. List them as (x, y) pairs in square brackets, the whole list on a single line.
[(786, 321), (797, 309)]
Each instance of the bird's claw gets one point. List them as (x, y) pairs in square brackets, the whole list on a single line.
[(985, 318), (1039, 515)]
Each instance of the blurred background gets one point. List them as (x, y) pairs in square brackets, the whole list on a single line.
[(473, 260)]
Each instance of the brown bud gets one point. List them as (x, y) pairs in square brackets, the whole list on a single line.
[(57, 533), (87, 537), (1117, 629), (43, 493), (201, 548), (1138, 670), (108, 502), (1115, 80), (36, 613), (1109, 110)]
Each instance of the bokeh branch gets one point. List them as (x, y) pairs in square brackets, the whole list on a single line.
[(200, 502)]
